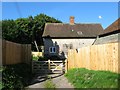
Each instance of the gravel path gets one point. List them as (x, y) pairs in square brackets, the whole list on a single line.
[(59, 80)]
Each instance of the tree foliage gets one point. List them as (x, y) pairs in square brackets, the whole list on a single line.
[(26, 30)]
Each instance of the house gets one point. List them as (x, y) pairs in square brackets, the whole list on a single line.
[(59, 37), (111, 34)]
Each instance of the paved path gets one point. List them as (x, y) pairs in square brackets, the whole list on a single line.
[(59, 80)]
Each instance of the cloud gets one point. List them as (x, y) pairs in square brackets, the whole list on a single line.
[(100, 17)]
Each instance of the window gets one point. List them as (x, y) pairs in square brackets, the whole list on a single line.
[(71, 46), (52, 49), (67, 46)]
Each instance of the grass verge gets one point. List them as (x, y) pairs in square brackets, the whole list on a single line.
[(84, 78)]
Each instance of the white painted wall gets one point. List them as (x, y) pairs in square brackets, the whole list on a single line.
[(77, 43)]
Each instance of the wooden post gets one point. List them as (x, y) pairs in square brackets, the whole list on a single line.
[(63, 67), (49, 64), (66, 65)]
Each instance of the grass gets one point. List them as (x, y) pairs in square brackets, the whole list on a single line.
[(49, 84), (84, 78)]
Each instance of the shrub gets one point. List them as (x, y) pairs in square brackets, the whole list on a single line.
[(35, 58), (0, 85), (42, 58), (15, 76)]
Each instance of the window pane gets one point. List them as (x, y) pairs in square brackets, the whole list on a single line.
[(53, 49), (50, 49)]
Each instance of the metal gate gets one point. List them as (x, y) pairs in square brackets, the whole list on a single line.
[(50, 66)]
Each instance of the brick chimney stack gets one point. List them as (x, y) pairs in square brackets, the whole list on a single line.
[(72, 20)]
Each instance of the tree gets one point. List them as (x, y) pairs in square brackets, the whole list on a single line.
[(40, 21), (26, 30), (9, 29)]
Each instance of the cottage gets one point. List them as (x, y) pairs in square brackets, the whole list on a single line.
[(59, 37)]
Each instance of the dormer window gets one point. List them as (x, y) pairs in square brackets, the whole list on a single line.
[(79, 33)]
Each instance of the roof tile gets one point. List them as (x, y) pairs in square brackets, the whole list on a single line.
[(76, 30)]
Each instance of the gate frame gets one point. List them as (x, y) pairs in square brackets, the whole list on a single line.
[(63, 63)]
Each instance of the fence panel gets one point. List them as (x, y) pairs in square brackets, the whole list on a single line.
[(13, 53), (96, 57)]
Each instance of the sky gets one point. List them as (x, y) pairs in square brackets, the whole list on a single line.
[(104, 13)]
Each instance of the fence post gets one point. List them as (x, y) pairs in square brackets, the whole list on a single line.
[(66, 66), (49, 64), (63, 67)]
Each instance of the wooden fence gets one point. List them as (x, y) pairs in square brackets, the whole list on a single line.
[(96, 57), (13, 53)]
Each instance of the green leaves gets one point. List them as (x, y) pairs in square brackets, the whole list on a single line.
[(26, 30), (15, 76)]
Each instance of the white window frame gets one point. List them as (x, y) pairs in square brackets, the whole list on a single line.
[(52, 49)]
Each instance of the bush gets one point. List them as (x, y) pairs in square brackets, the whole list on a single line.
[(0, 85), (42, 58), (83, 78), (35, 58), (15, 76)]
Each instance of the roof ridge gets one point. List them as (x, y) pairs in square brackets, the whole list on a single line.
[(74, 24)]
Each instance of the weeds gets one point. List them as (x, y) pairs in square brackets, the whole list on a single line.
[(49, 84)]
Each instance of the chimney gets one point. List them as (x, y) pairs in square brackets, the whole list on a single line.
[(72, 20)]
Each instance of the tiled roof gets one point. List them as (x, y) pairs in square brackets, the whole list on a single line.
[(115, 26), (76, 30)]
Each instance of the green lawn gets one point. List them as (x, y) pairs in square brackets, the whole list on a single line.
[(84, 78)]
